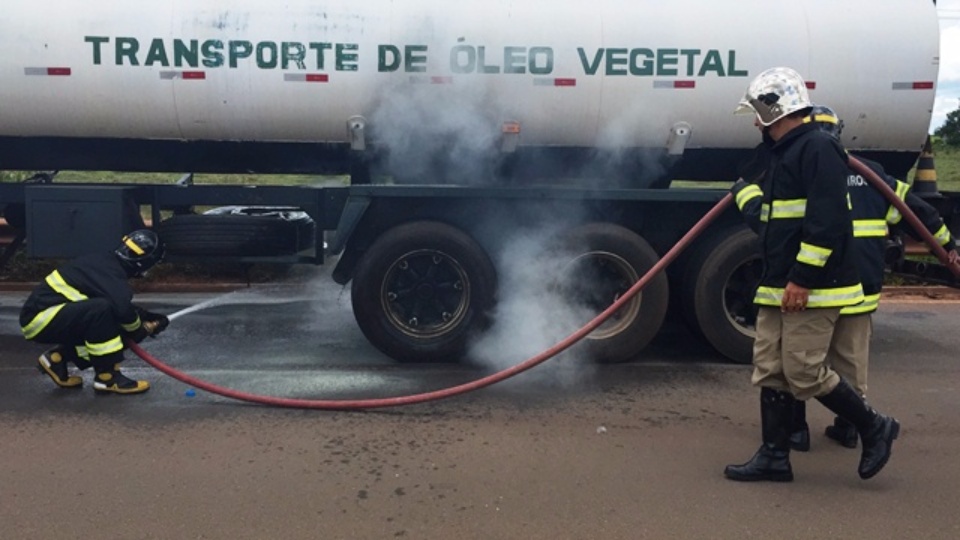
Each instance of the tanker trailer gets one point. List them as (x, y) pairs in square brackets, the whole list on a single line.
[(624, 93), (526, 110)]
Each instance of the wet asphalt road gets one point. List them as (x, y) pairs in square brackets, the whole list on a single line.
[(563, 451)]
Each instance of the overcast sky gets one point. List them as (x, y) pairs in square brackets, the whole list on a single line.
[(948, 86)]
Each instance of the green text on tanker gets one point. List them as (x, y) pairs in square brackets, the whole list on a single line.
[(460, 58)]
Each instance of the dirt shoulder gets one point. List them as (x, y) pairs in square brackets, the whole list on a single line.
[(921, 292)]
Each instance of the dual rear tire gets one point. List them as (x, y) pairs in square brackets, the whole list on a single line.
[(719, 280), (424, 289)]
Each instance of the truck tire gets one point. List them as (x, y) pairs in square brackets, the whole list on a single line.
[(608, 260), (422, 290), (238, 231), (721, 277)]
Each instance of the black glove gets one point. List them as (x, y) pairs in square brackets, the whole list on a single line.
[(162, 323), (153, 323)]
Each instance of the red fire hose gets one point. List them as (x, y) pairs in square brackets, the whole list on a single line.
[(911, 218), (351, 404)]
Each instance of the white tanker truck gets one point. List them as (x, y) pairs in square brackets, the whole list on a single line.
[(458, 122)]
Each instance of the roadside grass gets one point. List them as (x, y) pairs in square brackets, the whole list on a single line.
[(947, 163)]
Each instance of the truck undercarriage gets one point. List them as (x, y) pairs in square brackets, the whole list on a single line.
[(426, 263)]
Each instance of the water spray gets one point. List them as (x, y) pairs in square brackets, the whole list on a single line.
[(224, 299), (215, 301)]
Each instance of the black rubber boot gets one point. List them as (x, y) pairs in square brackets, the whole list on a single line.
[(81, 363), (109, 380), (800, 436), (843, 432), (772, 460), (53, 363), (877, 432)]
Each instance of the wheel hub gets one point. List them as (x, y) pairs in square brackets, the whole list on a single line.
[(425, 293), (597, 279)]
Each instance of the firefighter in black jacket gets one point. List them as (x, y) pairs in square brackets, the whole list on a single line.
[(810, 274), (85, 308), (872, 214)]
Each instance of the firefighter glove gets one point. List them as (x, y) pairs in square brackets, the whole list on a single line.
[(160, 322), (153, 323)]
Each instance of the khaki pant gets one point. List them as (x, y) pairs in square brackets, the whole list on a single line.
[(790, 351), (850, 350)]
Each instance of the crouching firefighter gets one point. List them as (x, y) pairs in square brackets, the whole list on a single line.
[(86, 309)]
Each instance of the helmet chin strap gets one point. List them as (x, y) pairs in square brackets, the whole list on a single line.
[(767, 138), (130, 268)]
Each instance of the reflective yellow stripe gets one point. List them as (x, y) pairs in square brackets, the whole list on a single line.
[(788, 209), (748, 193), (133, 246), (824, 118), (836, 297), (869, 228), (893, 215), (105, 348), (768, 296), (902, 189), (765, 212), (132, 326), (813, 255), (82, 352), (41, 321), (57, 283), (819, 298), (943, 235), (870, 303)]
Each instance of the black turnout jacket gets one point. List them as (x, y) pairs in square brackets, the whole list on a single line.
[(801, 210), (98, 275), (873, 217)]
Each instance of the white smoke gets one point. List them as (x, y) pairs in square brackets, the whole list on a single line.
[(618, 146), (451, 133), (533, 313), (434, 133)]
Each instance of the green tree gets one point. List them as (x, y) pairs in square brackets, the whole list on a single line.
[(950, 130)]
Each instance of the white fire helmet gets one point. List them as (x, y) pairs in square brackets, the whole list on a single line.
[(773, 94)]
